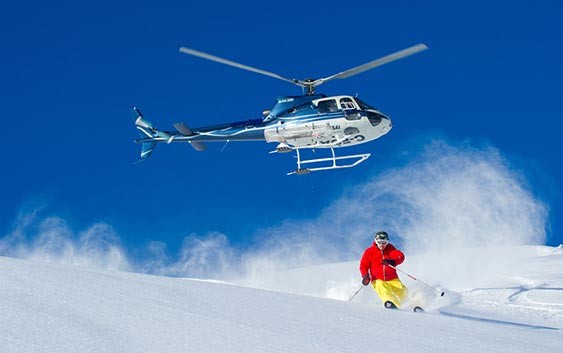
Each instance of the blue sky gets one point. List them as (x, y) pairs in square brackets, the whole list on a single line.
[(70, 73)]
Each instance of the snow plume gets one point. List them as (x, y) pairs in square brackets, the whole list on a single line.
[(52, 239), (455, 197), (200, 257), (446, 199)]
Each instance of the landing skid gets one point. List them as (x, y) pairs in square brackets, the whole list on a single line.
[(329, 162)]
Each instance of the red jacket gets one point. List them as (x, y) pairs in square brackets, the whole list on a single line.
[(371, 260)]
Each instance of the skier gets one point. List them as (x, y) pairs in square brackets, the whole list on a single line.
[(375, 268)]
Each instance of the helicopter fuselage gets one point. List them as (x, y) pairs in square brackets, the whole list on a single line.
[(313, 121)]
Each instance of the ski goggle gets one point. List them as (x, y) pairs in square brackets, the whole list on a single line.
[(381, 242)]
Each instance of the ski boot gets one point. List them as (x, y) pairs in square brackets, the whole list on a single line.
[(418, 309)]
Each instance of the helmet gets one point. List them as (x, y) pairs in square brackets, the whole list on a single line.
[(381, 235), (381, 239)]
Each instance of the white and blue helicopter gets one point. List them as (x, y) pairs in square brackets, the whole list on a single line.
[(309, 121)]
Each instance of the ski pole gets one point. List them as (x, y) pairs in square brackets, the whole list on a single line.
[(416, 279), (354, 295)]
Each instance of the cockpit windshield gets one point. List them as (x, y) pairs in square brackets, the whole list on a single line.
[(363, 105)]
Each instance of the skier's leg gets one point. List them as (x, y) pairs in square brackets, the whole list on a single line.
[(399, 290), (385, 292), (393, 291)]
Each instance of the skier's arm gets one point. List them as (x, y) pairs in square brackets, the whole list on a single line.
[(397, 256), (365, 264)]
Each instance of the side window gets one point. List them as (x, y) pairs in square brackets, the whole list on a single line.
[(327, 106), (347, 103)]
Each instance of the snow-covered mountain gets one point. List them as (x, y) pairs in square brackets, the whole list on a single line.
[(514, 306)]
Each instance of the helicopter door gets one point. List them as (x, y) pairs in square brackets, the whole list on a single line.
[(350, 109)]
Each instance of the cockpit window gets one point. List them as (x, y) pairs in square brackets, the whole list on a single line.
[(347, 103), (375, 118), (363, 105), (327, 106)]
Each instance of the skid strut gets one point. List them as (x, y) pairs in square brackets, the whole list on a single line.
[(356, 159)]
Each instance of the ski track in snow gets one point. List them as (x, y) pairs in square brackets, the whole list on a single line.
[(539, 303)]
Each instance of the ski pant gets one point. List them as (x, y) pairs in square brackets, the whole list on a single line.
[(393, 291)]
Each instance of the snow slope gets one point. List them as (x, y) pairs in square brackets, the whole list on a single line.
[(61, 308)]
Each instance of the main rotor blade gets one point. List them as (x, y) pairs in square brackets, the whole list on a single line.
[(235, 64), (375, 63)]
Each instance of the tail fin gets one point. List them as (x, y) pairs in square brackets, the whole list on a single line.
[(148, 134), (147, 149)]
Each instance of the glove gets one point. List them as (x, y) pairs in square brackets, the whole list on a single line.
[(366, 280), (388, 262)]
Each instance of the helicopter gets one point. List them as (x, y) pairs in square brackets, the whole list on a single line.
[(309, 121)]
